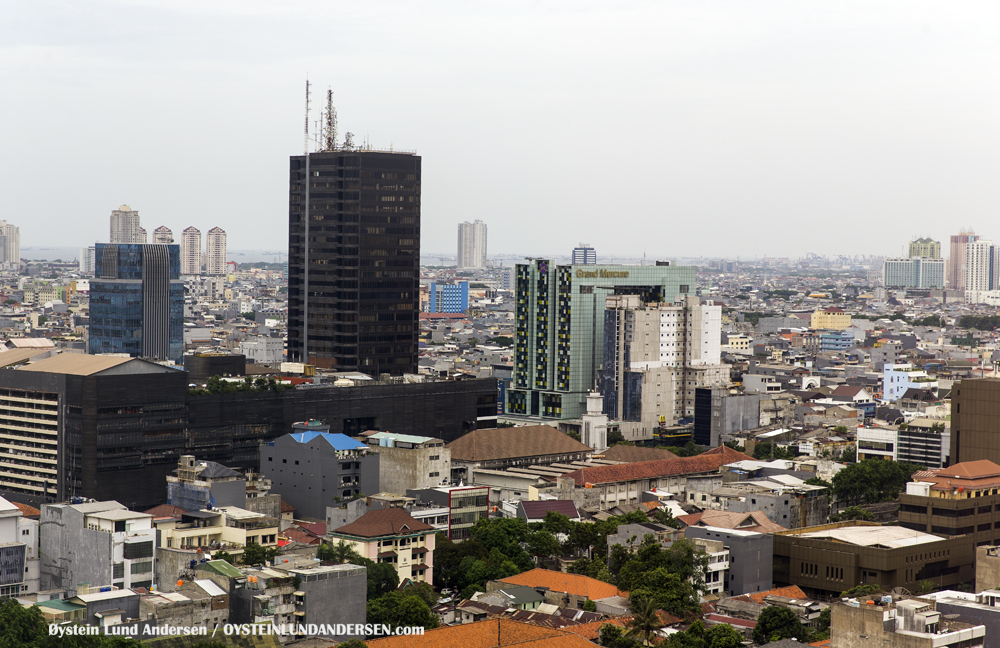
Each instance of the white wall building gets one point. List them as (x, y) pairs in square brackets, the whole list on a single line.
[(981, 269), (191, 251), (876, 443), (215, 252), (18, 552), (87, 259), (163, 236), (897, 378), (263, 350), (10, 244), (472, 245), (125, 226)]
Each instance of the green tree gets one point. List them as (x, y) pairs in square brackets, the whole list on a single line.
[(816, 481), (613, 636), (723, 635), (763, 451), (665, 517), (501, 340), (352, 643), (573, 434), (382, 577), (850, 455), (554, 522), (401, 609), (589, 606), (542, 545), (645, 620), (862, 590), (615, 437), (223, 555), (425, 591), (337, 553), (255, 554), (250, 315), (821, 630), (777, 623), (872, 480)]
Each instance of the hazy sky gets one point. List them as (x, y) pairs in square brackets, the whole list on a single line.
[(683, 128)]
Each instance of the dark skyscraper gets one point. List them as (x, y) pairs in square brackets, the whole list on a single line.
[(137, 301), (353, 288)]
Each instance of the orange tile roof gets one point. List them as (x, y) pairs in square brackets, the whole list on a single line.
[(732, 520), (491, 633), (792, 592), (592, 631), (967, 474), (28, 511), (575, 584), (705, 462)]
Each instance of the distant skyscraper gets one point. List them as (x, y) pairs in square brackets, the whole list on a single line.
[(137, 301), (163, 236), (191, 251), (125, 227), (981, 268), (87, 260), (354, 264), (143, 236), (956, 259), (472, 245), (215, 252), (926, 248), (913, 272), (10, 245), (584, 255)]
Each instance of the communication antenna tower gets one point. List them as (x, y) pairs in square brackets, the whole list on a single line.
[(331, 123), (348, 141), (305, 143)]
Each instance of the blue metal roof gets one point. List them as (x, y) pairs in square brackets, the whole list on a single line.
[(335, 439)]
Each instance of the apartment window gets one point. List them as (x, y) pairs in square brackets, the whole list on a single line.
[(434, 457), (434, 474)]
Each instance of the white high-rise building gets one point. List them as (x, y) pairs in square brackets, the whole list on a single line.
[(125, 227), (981, 269), (87, 260), (215, 252), (191, 251), (163, 236), (10, 245), (655, 355), (583, 254), (472, 245)]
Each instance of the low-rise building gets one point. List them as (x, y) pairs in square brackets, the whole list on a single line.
[(466, 505), (95, 542), (959, 500), (409, 462), (907, 623), (750, 556), (313, 468), (229, 527), (497, 449), (392, 536)]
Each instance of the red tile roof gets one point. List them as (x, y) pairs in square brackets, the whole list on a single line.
[(706, 462), (592, 631), (491, 633), (28, 511), (967, 474), (537, 510), (632, 454), (759, 523), (286, 507), (556, 581), (300, 535), (792, 592), (383, 522), (165, 510), (721, 618), (493, 444), (319, 528)]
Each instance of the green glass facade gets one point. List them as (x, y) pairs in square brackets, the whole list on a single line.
[(559, 328)]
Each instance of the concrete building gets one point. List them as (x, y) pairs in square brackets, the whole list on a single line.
[(898, 378), (10, 245), (261, 349), (750, 556), (87, 260), (958, 500), (313, 468), (228, 527), (785, 499), (471, 245), (408, 462), (655, 356), (975, 429), (466, 505), (720, 413), (137, 302), (913, 272), (957, 260), (125, 226), (514, 447), (448, 297), (877, 443), (215, 252), (981, 269), (15, 552), (828, 559), (95, 543), (924, 442), (987, 567), (163, 236), (191, 251), (926, 248), (201, 485), (558, 336), (199, 603), (583, 254), (907, 623), (392, 536), (830, 318)]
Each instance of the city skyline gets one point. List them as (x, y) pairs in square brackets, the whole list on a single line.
[(795, 115)]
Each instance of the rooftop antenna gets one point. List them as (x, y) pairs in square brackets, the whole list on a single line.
[(305, 143), (331, 122)]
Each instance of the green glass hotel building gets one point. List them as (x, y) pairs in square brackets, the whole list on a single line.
[(559, 328)]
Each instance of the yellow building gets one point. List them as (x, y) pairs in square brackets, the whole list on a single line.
[(830, 318), (925, 247)]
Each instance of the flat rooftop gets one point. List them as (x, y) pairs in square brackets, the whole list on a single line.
[(887, 537)]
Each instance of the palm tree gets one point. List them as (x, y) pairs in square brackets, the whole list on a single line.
[(338, 553), (645, 620)]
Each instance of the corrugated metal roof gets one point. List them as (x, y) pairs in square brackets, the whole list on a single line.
[(77, 364), (335, 439)]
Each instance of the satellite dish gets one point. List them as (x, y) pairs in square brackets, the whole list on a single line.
[(900, 591)]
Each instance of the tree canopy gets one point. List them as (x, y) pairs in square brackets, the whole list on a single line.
[(401, 609), (872, 480), (777, 623)]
